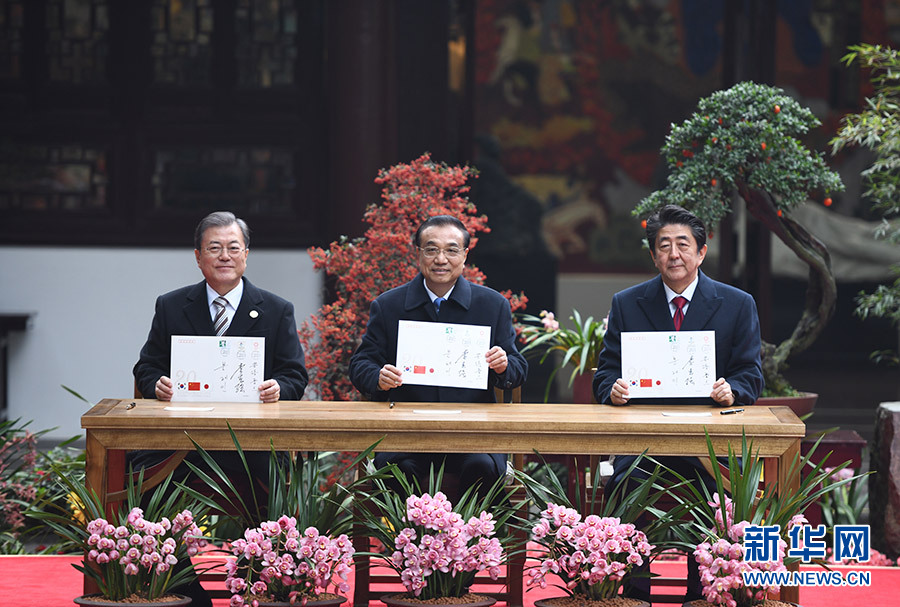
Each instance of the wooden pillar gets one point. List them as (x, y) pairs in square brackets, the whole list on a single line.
[(362, 117), (387, 96), (750, 55)]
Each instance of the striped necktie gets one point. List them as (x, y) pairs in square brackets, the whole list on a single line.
[(221, 320)]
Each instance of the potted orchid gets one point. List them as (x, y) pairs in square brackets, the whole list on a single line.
[(593, 554), (305, 488), (437, 548), (723, 566), (279, 563), (588, 549), (137, 553), (580, 346), (738, 507), (293, 559)]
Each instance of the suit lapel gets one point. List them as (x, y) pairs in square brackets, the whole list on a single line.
[(249, 311), (655, 307), (703, 307), (196, 309), (462, 293), (417, 297)]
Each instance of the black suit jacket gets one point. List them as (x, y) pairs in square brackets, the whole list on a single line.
[(718, 307), (185, 311), (469, 304)]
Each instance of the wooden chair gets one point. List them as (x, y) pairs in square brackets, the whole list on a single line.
[(513, 580)]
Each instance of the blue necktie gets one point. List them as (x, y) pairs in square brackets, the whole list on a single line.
[(438, 302)]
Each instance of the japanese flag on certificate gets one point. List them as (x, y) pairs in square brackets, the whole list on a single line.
[(443, 354), (669, 364), (217, 369)]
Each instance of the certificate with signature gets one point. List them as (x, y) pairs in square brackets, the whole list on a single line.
[(217, 369), (669, 364), (443, 354)]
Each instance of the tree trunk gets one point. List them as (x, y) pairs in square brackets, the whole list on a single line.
[(821, 292)]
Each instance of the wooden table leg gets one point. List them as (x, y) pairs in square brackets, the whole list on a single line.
[(361, 568), (515, 580), (789, 481), (104, 472), (95, 475)]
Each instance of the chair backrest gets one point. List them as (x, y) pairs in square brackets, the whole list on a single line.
[(508, 396)]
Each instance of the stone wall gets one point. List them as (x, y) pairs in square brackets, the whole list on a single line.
[(884, 483)]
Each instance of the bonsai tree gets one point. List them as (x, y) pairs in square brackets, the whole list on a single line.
[(360, 269), (878, 129), (743, 142)]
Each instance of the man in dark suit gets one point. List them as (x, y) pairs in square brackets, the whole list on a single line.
[(439, 294), (682, 298), (224, 303), (221, 244)]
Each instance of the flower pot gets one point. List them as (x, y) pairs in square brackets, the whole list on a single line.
[(800, 405), (167, 600), (468, 600), (582, 601), (324, 600)]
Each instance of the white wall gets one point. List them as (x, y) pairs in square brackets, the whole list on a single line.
[(92, 309), (590, 294)]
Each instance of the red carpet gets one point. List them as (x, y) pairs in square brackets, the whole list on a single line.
[(50, 581)]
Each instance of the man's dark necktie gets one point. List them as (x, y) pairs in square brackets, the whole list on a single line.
[(679, 311), (438, 302)]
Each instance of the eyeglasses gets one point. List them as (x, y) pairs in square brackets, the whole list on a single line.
[(449, 252), (216, 249)]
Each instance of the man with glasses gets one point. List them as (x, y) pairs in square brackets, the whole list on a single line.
[(224, 303), (439, 293)]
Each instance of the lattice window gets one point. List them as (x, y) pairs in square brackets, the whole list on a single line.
[(12, 23), (266, 42), (124, 117), (69, 177), (181, 33), (77, 45), (243, 179)]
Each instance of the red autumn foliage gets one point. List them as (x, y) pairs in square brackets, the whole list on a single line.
[(363, 268)]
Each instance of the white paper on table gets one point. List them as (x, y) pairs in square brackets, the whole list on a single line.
[(443, 354), (188, 408), (217, 369), (437, 411), (669, 364)]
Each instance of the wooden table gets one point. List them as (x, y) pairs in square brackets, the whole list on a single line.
[(112, 428)]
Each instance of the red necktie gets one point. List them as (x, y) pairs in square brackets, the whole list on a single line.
[(679, 312)]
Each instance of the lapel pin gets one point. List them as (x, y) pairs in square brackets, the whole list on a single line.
[(253, 313)]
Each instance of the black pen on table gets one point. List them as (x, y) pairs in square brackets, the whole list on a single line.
[(392, 405), (730, 411)]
